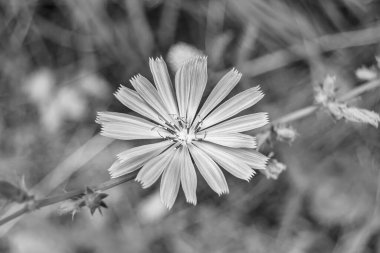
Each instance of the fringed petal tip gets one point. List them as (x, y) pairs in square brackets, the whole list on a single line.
[(105, 117), (265, 121), (260, 92), (139, 180), (114, 171), (167, 205), (119, 90), (156, 59), (237, 73), (251, 176), (264, 166), (103, 131), (195, 60), (113, 174), (134, 78), (98, 119), (223, 192), (266, 116), (121, 93), (192, 201)]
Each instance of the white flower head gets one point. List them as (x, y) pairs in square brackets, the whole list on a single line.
[(180, 53), (206, 135), (367, 74)]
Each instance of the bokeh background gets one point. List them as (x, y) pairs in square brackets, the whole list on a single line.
[(60, 62)]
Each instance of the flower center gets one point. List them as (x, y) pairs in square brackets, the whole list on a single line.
[(185, 136)]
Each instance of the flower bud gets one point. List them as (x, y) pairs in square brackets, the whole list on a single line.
[(94, 200)]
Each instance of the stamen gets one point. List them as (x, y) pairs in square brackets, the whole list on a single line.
[(201, 139), (166, 123), (165, 138), (199, 123)]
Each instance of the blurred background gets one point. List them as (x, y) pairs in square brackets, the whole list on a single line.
[(61, 61)]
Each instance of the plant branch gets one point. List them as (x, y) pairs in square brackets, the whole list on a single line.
[(296, 115), (39, 203), (307, 111)]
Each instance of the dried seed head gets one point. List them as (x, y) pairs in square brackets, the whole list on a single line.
[(285, 133), (274, 169), (326, 91), (70, 207), (353, 114)]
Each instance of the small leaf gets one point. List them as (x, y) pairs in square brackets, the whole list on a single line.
[(94, 200)]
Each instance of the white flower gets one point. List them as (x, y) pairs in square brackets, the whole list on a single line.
[(366, 74), (180, 53), (206, 136)]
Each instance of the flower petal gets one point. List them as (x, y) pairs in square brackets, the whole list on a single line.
[(147, 91), (182, 89), (132, 153), (131, 131), (153, 169), (132, 159), (209, 170), (253, 158), (239, 124), (127, 127), (115, 117), (233, 106), (170, 181), (163, 83), (197, 81), (133, 101), (188, 177), (221, 90), (229, 162), (233, 140)]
